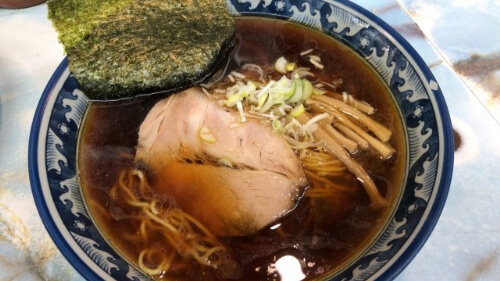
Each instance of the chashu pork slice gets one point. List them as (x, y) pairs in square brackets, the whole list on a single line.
[(230, 202), (263, 183)]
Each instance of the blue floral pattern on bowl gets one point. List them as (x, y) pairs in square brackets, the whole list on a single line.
[(54, 139)]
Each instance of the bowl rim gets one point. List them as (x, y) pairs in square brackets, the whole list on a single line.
[(34, 174), (446, 141), (391, 271)]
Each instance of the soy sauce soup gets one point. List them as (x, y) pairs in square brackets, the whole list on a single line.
[(321, 235)]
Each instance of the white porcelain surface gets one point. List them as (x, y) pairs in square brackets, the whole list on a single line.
[(465, 244)]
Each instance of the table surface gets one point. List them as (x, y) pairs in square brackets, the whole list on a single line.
[(459, 40)]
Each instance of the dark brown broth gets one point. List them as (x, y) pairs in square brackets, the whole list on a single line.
[(339, 227)]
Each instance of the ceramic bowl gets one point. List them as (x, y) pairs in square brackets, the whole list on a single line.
[(59, 116)]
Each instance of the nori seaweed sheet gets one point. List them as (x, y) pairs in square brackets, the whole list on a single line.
[(121, 48)]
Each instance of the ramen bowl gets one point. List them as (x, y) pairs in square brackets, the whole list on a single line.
[(60, 116)]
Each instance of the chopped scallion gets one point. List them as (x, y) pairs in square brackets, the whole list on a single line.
[(206, 135)]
